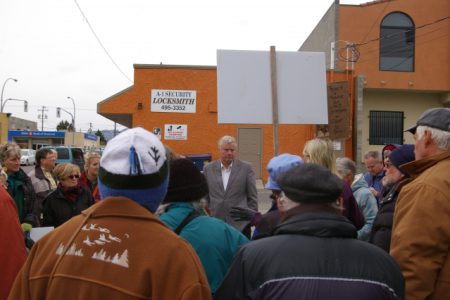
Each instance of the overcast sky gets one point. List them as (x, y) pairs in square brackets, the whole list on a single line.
[(49, 47)]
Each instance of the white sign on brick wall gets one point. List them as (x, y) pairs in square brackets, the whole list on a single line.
[(175, 132), (173, 101)]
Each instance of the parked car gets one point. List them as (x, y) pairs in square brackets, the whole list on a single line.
[(68, 154), (27, 157)]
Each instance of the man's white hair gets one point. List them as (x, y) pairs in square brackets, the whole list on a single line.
[(226, 140), (345, 166), (439, 137)]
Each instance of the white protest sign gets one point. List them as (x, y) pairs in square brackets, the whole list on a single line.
[(244, 87)]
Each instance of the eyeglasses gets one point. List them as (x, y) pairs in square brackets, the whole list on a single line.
[(73, 176), (387, 164)]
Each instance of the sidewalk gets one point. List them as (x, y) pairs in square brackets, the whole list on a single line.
[(264, 201)]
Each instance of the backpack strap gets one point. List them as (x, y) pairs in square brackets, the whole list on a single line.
[(192, 215)]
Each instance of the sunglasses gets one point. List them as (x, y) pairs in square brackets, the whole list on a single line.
[(73, 176)]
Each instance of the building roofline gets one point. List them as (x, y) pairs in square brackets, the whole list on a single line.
[(370, 3), (162, 66), (113, 96)]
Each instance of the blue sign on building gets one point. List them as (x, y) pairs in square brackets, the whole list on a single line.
[(27, 133), (89, 136)]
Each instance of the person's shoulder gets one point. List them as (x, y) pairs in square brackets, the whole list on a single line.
[(210, 165), (242, 164), (32, 173)]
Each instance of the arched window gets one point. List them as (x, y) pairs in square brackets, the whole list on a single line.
[(397, 36)]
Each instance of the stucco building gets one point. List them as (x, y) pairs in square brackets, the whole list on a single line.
[(399, 50)]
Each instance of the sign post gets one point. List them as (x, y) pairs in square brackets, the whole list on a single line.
[(273, 80)]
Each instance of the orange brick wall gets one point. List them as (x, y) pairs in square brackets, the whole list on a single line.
[(203, 130)]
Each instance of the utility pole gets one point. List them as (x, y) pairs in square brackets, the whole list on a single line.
[(42, 116)]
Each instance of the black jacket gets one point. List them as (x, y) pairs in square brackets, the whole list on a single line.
[(58, 209), (382, 225), (312, 255)]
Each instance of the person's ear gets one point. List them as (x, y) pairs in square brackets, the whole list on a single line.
[(340, 202), (427, 137)]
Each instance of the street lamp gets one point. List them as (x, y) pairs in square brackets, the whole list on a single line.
[(1, 97), (73, 101), (58, 114), (25, 103)]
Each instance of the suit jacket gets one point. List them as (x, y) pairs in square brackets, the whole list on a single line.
[(241, 191)]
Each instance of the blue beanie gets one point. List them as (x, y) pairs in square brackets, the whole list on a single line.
[(280, 164), (402, 155), (134, 165)]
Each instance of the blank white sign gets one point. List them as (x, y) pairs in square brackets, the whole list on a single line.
[(244, 87)]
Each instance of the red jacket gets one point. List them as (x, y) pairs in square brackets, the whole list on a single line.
[(12, 244)]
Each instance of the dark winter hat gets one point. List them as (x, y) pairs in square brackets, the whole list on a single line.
[(402, 155), (134, 165), (438, 118), (186, 183), (310, 183), (387, 150)]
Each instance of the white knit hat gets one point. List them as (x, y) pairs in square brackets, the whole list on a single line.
[(134, 165)]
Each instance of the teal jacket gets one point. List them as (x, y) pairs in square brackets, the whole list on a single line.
[(214, 241)]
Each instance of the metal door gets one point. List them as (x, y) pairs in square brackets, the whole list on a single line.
[(250, 147)]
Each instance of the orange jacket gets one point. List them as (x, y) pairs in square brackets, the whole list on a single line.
[(115, 249), (421, 232)]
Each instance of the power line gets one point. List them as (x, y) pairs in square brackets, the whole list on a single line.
[(101, 44), (377, 49), (417, 44), (374, 22), (401, 32), (354, 48)]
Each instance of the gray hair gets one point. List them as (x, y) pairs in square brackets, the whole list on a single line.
[(345, 166), (227, 140), (374, 154), (439, 137)]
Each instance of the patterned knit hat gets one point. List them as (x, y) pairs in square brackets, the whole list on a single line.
[(134, 165)]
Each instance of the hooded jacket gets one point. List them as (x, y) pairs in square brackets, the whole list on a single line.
[(367, 203), (116, 249), (213, 240), (421, 233), (312, 255)]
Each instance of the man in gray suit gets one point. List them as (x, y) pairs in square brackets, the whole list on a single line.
[(231, 182)]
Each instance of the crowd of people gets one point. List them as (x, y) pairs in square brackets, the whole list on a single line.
[(134, 225)]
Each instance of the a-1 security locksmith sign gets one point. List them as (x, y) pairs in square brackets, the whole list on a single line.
[(173, 101)]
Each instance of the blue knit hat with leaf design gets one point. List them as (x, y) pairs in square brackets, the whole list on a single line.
[(134, 165)]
